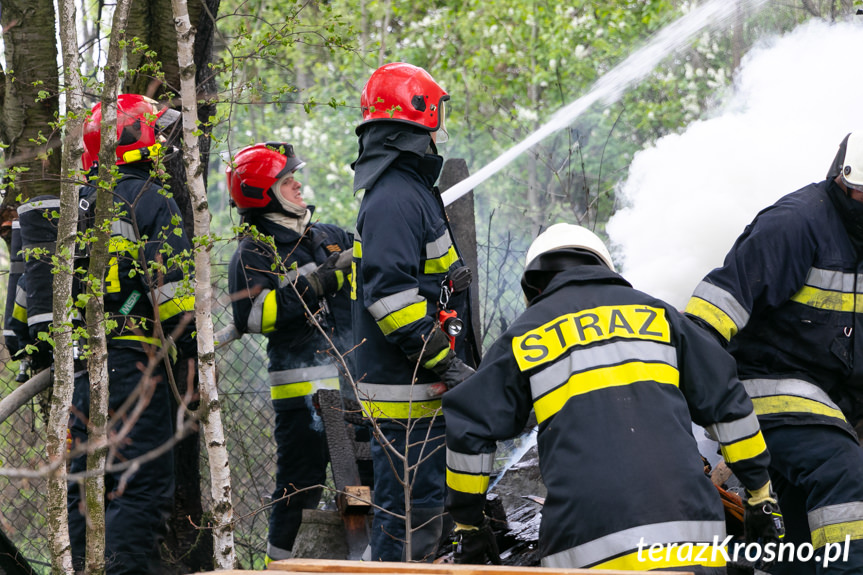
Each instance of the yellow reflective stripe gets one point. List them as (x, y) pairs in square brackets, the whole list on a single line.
[(176, 306), (358, 249), (402, 317), (825, 299), (269, 313), (436, 359), (792, 404), (120, 244), (466, 482), (19, 313), (142, 338), (836, 533), (442, 264), (669, 556), (744, 449), (290, 390), (401, 409), (718, 319), (603, 378)]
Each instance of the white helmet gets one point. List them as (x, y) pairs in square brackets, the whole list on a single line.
[(561, 236), (852, 164)]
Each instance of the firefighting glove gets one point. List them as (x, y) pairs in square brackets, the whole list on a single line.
[(475, 544), (329, 277), (762, 518), (452, 371)]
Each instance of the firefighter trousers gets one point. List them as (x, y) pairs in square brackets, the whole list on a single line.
[(816, 471), (428, 489), (138, 506), (301, 465)]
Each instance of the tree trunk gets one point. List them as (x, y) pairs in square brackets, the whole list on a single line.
[(223, 536), (64, 368), (31, 59), (97, 362)]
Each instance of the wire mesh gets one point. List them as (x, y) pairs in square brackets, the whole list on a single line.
[(247, 415)]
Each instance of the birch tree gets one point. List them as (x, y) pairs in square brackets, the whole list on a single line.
[(210, 411)]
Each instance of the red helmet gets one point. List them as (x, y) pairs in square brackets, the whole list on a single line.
[(255, 170), (403, 93), (138, 120)]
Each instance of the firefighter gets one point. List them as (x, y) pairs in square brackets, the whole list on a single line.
[(403, 253), (786, 304), (274, 293), (613, 376), (146, 297)]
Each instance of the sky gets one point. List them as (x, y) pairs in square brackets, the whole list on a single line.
[(687, 198)]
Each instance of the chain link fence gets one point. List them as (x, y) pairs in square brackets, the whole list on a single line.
[(246, 413)]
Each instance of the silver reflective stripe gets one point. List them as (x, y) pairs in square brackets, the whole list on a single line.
[(628, 540), (255, 321), (357, 236), (724, 301), (165, 292), (833, 514), (798, 387), (8, 333), (21, 297), (39, 205), (42, 317), (439, 247), (831, 280), (16, 225), (605, 355), (404, 393), (277, 553), (301, 271), (124, 229), (480, 464), (732, 431), (391, 303), (303, 374)]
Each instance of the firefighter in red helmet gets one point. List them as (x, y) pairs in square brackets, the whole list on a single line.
[(404, 252), (316, 259), (147, 307)]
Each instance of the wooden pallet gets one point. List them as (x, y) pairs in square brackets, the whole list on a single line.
[(372, 567)]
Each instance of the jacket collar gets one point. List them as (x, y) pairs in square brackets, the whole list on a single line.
[(382, 143), (581, 275), (281, 234)]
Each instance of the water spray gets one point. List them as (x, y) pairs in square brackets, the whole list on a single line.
[(610, 87)]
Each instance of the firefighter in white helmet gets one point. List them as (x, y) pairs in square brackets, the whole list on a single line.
[(613, 376), (786, 303)]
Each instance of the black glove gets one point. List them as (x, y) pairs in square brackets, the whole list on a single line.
[(329, 277), (762, 520), (452, 371), (475, 545), (41, 354)]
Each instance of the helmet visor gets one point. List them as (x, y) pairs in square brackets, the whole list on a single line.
[(442, 134)]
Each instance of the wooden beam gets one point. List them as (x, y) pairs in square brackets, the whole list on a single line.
[(372, 567)]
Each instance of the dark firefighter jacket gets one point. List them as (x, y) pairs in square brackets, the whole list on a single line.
[(613, 376), (264, 302), (145, 277), (789, 298), (403, 250)]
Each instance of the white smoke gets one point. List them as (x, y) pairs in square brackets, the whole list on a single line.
[(688, 197)]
